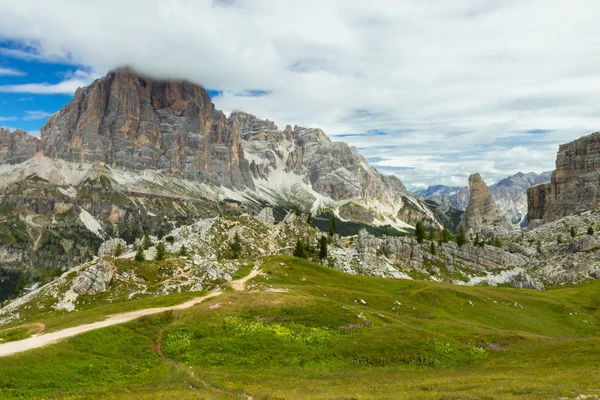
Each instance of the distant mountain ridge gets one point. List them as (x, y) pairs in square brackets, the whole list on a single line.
[(510, 194)]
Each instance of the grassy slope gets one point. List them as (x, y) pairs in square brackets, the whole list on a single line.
[(319, 341)]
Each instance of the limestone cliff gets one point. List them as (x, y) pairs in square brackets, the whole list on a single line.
[(134, 122), (17, 147), (575, 184)]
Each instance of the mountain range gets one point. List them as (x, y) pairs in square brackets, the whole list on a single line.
[(510, 194), (130, 154)]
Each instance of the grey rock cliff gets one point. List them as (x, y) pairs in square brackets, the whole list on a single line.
[(135, 122), (17, 146), (575, 184)]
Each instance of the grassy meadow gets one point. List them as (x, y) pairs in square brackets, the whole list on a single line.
[(303, 331)]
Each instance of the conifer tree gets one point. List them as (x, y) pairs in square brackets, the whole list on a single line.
[(322, 247), (332, 226), (160, 252), (420, 231)]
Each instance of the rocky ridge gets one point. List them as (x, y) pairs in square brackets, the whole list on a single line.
[(575, 184)]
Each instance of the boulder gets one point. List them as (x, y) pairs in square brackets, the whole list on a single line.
[(583, 243), (266, 216), (94, 279)]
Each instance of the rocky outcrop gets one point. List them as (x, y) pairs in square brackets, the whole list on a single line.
[(126, 120), (17, 147), (109, 248), (94, 279), (537, 199), (575, 184), (481, 216), (266, 216)]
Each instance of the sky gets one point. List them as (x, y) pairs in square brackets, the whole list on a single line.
[(430, 91)]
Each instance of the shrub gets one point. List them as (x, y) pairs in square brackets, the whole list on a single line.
[(118, 250), (170, 239), (590, 230), (573, 232), (147, 243), (182, 251)]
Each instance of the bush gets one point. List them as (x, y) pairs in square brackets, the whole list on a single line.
[(170, 239), (573, 232), (590, 230), (182, 251), (118, 250)]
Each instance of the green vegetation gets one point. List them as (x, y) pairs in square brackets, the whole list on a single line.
[(119, 250), (323, 247), (299, 250), (160, 252), (590, 230), (420, 231), (236, 246), (182, 251), (332, 226), (147, 242), (139, 254), (332, 336)]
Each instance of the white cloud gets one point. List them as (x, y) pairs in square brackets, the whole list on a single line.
[(67, 86), (35, 115), (10, 72), (463, 79), (8, 118)]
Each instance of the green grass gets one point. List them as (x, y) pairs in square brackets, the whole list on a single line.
[(412, 339)]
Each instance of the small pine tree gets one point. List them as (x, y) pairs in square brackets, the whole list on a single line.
[(420, 232), (332, 226), (323, 247), (573, 232), (299, 250), (309, 218), (590, 230), (431, 233), (139, 255), (118, 250), (432, 248), (461, 237), (236, 246), (160, 252), (147, 243), (182, 251), (445, 236)]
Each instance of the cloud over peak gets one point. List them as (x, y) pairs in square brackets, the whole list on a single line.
[(457, 87)]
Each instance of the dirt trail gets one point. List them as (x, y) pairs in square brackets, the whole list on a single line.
[(10, 348)]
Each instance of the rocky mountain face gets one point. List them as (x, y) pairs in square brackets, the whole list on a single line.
[(131, 154), (17, 147), (510, 195), (575, 184), (125, 120)]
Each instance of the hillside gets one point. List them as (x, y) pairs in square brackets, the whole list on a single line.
[(305, 331)]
